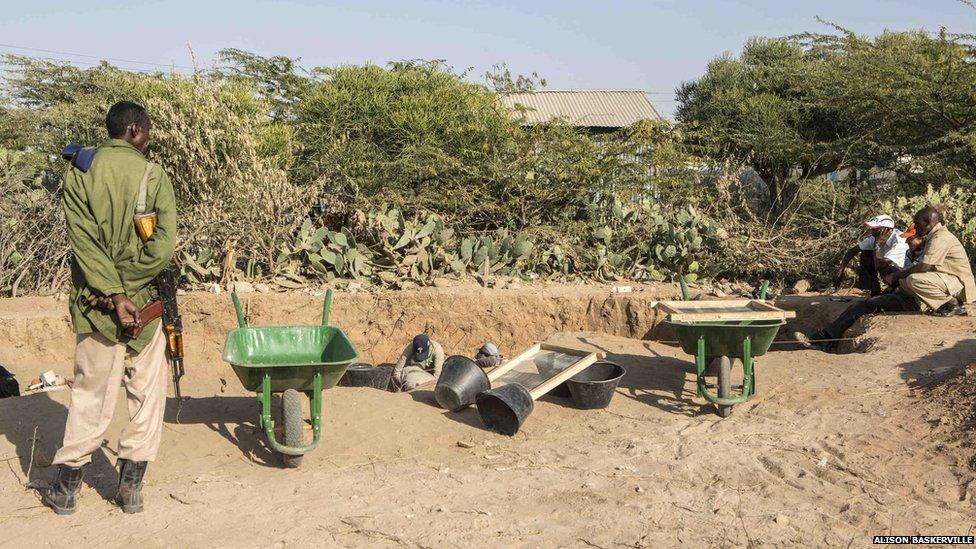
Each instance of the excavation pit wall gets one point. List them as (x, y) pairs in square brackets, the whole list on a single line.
[(35, 332)]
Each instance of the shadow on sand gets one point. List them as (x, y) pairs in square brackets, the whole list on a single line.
[(935, 367), (468, 416), (657, 380), (20, 416), (233, 417)]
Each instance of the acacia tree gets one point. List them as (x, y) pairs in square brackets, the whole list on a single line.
[(757, 109), (795, 108), (277, 79), (909, 99)]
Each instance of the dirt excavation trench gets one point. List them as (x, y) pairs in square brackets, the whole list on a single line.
[(832, 450)]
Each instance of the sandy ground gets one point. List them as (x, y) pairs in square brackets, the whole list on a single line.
[(832, 450)]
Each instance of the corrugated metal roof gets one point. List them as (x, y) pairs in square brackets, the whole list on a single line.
[(584, 108)]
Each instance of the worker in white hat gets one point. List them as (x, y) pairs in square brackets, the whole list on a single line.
[(883, 251)]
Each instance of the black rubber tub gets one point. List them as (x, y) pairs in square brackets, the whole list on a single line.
[(504, 409), (362, 374), (594, 387), (460, 383)]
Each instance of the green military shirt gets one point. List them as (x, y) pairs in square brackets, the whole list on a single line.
[(109, 256)]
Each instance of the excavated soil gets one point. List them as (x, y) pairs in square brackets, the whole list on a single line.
[(832, 450)]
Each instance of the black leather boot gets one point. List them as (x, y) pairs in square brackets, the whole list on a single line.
[(62, 493), (130, 485)]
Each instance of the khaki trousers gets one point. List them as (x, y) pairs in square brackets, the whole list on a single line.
[(101, 367), (932, 289)]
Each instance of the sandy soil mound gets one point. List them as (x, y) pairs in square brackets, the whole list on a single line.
[(832, 449)]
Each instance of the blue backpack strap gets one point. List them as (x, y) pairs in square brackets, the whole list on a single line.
[(80, 157)]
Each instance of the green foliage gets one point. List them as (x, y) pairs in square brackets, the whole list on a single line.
[(793, 109), (405, 173), (957, 206), (276, 79), (501, 79), (33, 246), (906, 99), (758, 110), (411, 134)]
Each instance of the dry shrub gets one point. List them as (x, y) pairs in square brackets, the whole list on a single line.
[(33, 245)]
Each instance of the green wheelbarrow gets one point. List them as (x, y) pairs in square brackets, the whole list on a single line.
[(721, 333), (290, 360)]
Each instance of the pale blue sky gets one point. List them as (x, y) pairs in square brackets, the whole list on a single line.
[(649, 45)]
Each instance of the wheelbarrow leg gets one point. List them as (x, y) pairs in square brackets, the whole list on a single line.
[(265, 397), (748, 378), (316, 398), (700, 366)]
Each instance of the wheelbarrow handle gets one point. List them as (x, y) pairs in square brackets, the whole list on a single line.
[(237, 309), (327, 307)]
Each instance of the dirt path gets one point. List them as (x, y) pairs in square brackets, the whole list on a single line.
[(832, 450)]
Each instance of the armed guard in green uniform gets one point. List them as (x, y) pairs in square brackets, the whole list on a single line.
[(111, 271)]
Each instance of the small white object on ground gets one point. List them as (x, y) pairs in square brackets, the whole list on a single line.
[(242, 287), (622, 289), (50, 378)]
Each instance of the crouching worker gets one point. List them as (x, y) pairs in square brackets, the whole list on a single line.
[(488, 356), (419, 364), (941, 279), (111, 273), (880, 253)]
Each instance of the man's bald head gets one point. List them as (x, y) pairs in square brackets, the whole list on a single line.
[(926, 219)]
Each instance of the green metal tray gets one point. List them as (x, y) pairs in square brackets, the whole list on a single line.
[(292, 355), (724, 338)]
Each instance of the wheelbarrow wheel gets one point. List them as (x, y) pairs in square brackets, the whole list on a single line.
[(724, 385), (291, 403)]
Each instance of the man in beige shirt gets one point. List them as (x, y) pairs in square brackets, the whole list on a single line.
[(942, 280)]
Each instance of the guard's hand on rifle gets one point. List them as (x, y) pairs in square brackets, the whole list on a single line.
[(126, 310)]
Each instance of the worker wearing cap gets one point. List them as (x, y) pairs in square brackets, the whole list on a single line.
[(488, 356), (882, 253), (942, 280), (419, 364)]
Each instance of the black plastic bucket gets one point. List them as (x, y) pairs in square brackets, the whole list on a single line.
[(460, 382), (594, 387), (362, 374), (504, 409)]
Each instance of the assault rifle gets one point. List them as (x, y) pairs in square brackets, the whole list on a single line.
[(165, 306), (172, 323)]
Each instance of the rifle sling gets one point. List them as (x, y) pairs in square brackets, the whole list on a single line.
[(143, 189)]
